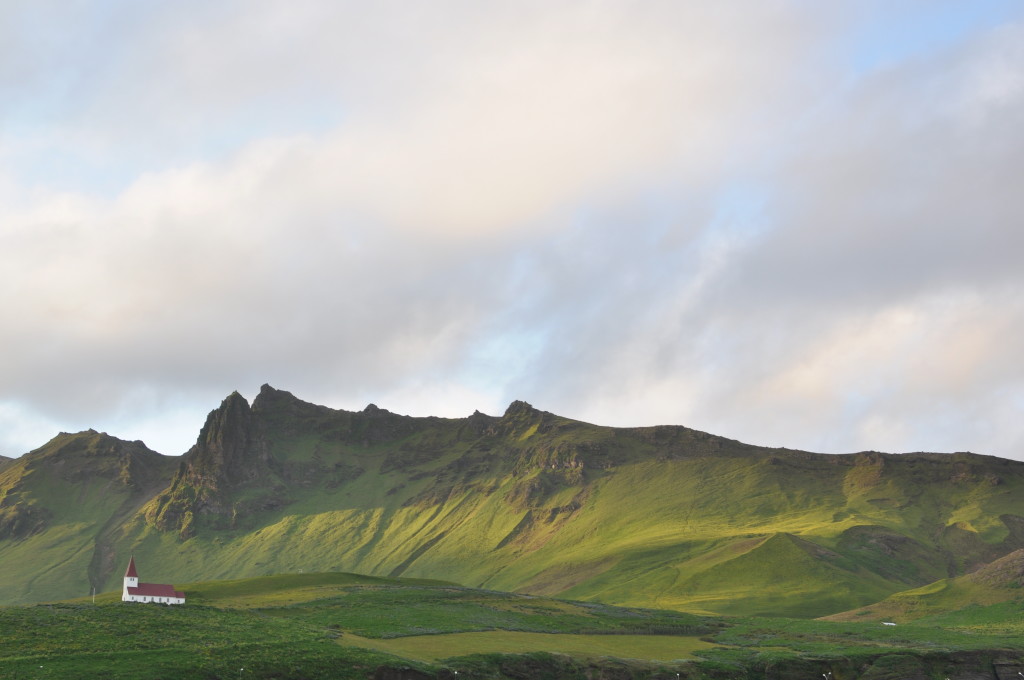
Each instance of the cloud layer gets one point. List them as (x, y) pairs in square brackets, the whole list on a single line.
[(629, 214)]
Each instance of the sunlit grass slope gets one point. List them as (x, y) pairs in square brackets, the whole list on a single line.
[(667, 517), (536, 503)]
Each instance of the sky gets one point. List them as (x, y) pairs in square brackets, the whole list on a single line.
[(791, 223)]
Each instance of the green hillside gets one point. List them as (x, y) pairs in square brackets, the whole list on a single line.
[(60, 508), (531, 502), (990, 598)]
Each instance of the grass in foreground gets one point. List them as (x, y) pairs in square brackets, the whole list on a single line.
[(152, 641), (290, 626)]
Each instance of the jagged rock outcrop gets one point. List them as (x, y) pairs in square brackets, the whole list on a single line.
[(240, 448), (229, 453), (229, 450)]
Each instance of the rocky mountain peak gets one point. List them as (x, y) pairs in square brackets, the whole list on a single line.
[(88, 459), (230, 418), (270, 397), (519, 408), (88, 445), (272, 403), (226, 451)]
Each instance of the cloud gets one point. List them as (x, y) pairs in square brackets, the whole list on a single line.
[(632, 214), (879, 309)]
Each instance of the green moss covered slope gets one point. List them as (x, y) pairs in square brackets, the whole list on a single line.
[(532, 502)]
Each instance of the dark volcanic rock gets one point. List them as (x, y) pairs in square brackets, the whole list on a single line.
[(236, 449), (228, 453)]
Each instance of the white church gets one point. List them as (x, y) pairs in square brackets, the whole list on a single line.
[(148, 592)]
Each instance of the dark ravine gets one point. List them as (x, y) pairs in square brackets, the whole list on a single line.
[(661, 516)]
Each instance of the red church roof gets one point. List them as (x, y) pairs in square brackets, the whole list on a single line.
[(155, 590), (149, 589)]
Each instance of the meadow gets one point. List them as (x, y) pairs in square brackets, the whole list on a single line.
[(348, 626)]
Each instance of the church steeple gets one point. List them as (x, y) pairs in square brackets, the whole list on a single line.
[(131, 573), (131, 578)]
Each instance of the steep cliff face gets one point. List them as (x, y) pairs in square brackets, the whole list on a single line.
[(251, 460), (229, 454)]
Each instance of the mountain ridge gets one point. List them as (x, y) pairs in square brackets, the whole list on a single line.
[(527, 501)]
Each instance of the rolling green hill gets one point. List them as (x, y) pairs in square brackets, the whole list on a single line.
[(991, 597), (530, 502)]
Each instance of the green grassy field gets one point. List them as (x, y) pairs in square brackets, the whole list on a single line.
[(310, 625), (143, 641), (336, 625), (379, 607)]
